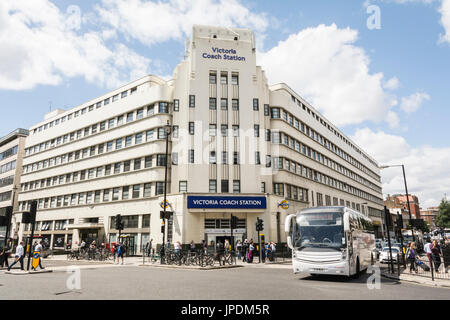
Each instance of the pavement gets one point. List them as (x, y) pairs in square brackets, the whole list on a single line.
[(415, 278)]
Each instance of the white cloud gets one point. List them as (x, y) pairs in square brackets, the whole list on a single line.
[(392, 84), (413, 102), (392, 119), (427, 170), (323, 64), (44, 48), (151, 22), (445, 20)]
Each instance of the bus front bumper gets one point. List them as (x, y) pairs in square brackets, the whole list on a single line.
[(336, 268)]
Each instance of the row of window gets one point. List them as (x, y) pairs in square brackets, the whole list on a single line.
[(317, 156), (5, 196), (98, 196), (163, 107), (8, 167), (224, 186), (326, 125), (84, 110), (8, 153), (305, 129), (91, 151), (292, 192), (6, 181), (224, 224), (131, 222), (98, 172), (301, 170), (223, 78)]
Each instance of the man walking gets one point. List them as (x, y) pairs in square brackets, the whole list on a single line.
[(19, 256), (120, 252), (38, 248), (427, 249)]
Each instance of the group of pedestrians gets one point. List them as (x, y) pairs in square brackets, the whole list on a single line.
[(19, 255), (433, 251), (247, 250)]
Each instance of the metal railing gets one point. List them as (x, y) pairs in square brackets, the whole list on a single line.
[(424, 267)]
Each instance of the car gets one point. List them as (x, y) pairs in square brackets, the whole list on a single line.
[(385, 255)]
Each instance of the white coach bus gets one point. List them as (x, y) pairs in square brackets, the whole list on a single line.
[(330, 240)]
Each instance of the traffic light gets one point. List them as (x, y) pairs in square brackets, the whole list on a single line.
[(259, 225), (387, 217), (30, 217), (234, 222), (5, 216), (167, 216), (119, 222), (263, 238)]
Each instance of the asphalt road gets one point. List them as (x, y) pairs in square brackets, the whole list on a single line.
[(147, 283)]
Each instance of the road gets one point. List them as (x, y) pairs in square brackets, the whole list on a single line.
[(250, 283)]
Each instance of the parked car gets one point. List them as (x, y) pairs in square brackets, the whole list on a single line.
[(385, 255)]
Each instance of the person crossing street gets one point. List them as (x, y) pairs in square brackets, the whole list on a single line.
[(19, 256)]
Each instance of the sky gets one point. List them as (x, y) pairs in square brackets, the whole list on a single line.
[(378, 69)]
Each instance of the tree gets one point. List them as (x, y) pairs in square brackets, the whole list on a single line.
[(443, 217)]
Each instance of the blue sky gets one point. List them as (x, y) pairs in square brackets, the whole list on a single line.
[(44, 62)]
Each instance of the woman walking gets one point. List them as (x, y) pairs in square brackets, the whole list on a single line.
[(411, 255), (239, 248), (436, 255)]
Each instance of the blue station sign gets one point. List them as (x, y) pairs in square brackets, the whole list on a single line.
[(211, 202)]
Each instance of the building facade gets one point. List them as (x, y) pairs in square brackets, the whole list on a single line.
[(429, 215), (399, 201), (237, 147), (11, 154)]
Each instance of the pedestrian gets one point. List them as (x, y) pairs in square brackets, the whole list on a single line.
[(411, 255), (239, 249), (273, 248), (192, 246), (38, 248), (251, 248), (18, 256), (204, 246), (150, 248), (120, 252), (177, 247), (436, 255), (4, 254), (427, 249), (226, 245), (245, 251)]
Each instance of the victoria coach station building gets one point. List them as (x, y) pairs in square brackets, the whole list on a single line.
[(236, 146)]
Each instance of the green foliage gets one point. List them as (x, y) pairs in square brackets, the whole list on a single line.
[(443, 217)]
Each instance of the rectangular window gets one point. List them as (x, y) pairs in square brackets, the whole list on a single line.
[(223, 104), (163, 107), (162, 133), (176, 105), (137, 164), (236, 158), (175, 133), (111, 123), (126, 166), (275, 112), (150, 110), (224, 186), (235, 131), (117, 168), (115, 195), (138, 139), (236, 186), (161, 160), (119, 144), (263, 187), (97, 196), (147, 190), (191, 101), (235, 104), (235, 79), (107, 170), (224, 157), (212, 130), (255, 104), (139, 114), (266, 110), (128, 141), (212, 78), (119, 120), (212, 103), (148, 161), (106, 195), (130, 116), (212, 157), (174, 158), (224, 78), (213, 186), (183, 186), (191, 128), (256, 129), (125, 193), (149, 135), (159, 188), (191, 156)]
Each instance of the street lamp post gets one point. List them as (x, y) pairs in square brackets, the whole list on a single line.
[(168, 131), (407, 196)]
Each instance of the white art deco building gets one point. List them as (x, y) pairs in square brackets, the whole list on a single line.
[(238, 146)]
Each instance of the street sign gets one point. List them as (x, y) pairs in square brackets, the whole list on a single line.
[(36, 257), (284, 204), (165, 204)]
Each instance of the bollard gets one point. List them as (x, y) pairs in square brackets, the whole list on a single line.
[(432, 268), (398, 265)]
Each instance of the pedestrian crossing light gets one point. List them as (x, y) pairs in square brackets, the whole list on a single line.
[(234, 222), (119, 223), (259, 225)]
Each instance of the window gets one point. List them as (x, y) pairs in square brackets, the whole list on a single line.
[(191, 128), (224, 130), (212, 103), (128, 141), (212, 130), (191, 101), (97, 196), (88, 198), (235, 158), (107, 170), (119, 120), (224, 186), (278, 189), (130, 116), (159, 188), (111, 123), (266, 110), (212, 78), (106, 195), (263, 187), (176, 105), (235, 104), (150, 110), (191, 156), (224, 157), (138, 138), (109, 146), (149, 135), (127, 166), (236, 186), (256, 129), (175, 133), (99, 172), (213, 186), (115, 195), (275, 113), (163, 107), (161, 160), (124, 94), (139, 114), (255, 104), (235, 79), (174, 158), (212, 157), (148, 161), (117, 168), (125, 193), (223, 104), (257, 158), (162, 133), (137, 164), (235, 131), (119, 144), (183, 186), (147, 190), (223, 78), (276, 137)]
